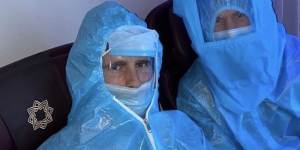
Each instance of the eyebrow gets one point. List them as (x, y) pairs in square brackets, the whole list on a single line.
[(142, 61), (118, 62)]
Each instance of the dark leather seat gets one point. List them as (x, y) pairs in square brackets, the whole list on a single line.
[(39, 78), (178, 54)]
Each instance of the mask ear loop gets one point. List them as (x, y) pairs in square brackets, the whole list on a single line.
[(106, 51)]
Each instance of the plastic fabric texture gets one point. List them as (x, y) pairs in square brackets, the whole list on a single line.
[(222, 35), (97, 120), (137, 99), (242, 91), (210, 9), (133, 41), (130, 45)]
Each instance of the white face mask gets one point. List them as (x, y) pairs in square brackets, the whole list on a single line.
[(137, 99), (231, 33)]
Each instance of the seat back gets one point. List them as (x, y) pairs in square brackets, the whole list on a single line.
[(178, 54), (35, 101)]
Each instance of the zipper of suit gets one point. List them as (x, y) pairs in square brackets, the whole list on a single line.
[(143, 121)]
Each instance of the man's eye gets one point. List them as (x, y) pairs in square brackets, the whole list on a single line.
[(116, 67), (240, 15), (219, 21), (143, 64)]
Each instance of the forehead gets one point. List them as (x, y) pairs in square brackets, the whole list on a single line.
[(124, 58), (228, 13)]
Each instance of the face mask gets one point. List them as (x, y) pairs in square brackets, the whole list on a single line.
[(137, 99), (227, 34), (243, 72)]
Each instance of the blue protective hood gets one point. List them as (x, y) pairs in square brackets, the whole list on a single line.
[(210, 9), (84, 67), (239, 65), (94, 112), (99, 121), (243, 91)]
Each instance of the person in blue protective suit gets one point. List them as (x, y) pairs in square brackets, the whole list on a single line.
[(112, 73), (244, 87)]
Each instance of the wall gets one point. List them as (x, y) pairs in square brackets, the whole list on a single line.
[(31, 26), (288, 12)]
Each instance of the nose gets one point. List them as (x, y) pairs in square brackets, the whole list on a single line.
[(230, 24), (132, 79)]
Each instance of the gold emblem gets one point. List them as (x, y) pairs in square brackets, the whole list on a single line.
[(42, 106)]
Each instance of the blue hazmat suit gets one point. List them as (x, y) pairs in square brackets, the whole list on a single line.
[(244, 92), (97, 120)]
